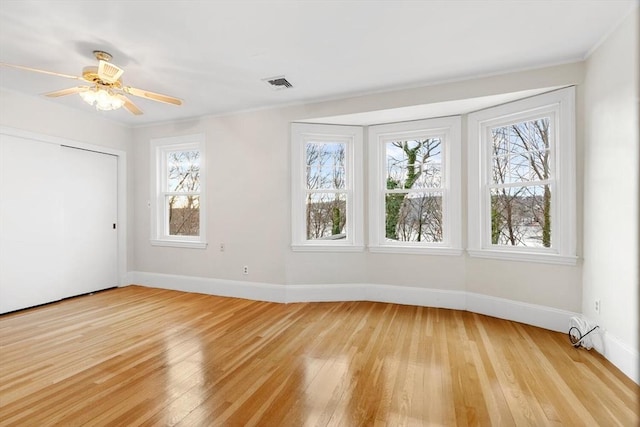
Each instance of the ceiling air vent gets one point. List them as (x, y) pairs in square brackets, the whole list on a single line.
[(278, 83)]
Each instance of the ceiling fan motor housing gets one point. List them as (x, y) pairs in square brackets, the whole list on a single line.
[(101, 55), (90, 74), (105, 74), (108, 72)]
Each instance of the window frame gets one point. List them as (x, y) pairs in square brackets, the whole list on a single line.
[(560, 107), (449, 129), (160, 147), (352, 136)]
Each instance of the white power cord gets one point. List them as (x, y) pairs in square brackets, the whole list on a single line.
[(579, 330)]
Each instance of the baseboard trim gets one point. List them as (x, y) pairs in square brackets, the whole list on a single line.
[(623, 357), (224, 288), (531, 314), (325, 293)]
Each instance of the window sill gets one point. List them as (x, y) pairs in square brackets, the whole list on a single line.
[(545, 258), (326, 248), (416, 250), (179, 244)]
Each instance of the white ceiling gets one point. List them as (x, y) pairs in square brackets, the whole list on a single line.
[(214, 54), (426, 111)]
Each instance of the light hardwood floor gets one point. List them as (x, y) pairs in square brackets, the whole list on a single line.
[(143, 356)]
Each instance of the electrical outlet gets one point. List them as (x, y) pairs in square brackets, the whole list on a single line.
[(245, 269), (221, 246), (596, 306)]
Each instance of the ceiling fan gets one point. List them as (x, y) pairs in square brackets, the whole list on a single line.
[(105, 90)]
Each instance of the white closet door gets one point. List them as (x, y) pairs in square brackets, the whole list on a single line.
[(31, 262), (90, 200)]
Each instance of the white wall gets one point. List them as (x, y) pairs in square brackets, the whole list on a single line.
[(249, 206), (611, 186), (48, 118)]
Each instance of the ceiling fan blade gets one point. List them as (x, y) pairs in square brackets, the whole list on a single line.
[(151, 95), (130, 106), (37, 70), (69, 91)]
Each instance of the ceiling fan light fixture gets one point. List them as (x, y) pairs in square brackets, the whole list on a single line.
[(103, 99), (105, 91)]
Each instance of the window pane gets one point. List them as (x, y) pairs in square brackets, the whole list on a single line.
[(183, 171), (183, 213), (413, 217), (326, 216), (520, 168), (325, 165), (521, 216), (520, 152), (414, 163)]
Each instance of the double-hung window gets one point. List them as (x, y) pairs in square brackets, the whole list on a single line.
[(414, 197), (326, 187), (522, 180), (177, 202)]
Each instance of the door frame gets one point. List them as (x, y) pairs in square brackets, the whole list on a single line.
[(122, 184)]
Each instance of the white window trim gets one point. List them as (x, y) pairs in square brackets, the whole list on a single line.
[(449, 128), (159, 147), (301, 133), (561, 104)]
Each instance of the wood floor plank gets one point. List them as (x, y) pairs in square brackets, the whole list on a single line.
[(139, 356)]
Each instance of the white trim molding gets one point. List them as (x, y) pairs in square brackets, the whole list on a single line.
[(622, 356), (208, 286), (159, 149), (302, 135), (559, 107), (531, 314), (617, 352), (445, 129)]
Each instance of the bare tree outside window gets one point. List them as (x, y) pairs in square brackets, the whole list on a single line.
[(182, 196), (326, 190), (520, 188), (413, 200)]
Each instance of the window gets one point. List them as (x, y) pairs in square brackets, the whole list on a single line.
[(415, 187), (177, 207), (522, 180), (326, 187)]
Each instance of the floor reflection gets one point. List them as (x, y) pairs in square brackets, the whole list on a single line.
[(185, 374)]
